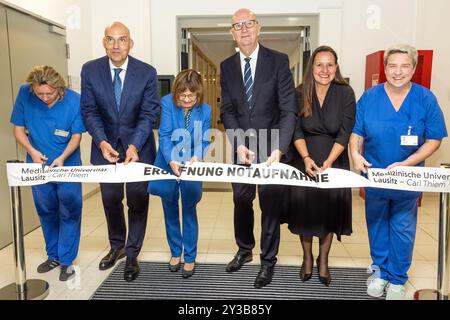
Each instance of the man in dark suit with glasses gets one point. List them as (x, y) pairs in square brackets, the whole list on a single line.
[(257, 94)]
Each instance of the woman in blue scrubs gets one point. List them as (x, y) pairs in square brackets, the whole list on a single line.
[(183, 137), (398, 123), (50, 113)]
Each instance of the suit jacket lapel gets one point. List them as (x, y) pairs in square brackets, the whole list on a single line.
[(259, 74), (238, 80), (107, 80), (127, 85), (179, 117), (196, 116)]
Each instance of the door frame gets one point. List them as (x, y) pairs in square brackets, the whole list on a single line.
[(266, 20)]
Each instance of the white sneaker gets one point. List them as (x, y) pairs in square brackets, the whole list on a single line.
[(395, 292), (376, 287)]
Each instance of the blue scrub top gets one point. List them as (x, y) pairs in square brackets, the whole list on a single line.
[(382, 127), (49, 129)]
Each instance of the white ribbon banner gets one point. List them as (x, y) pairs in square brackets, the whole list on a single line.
[(400, 178)]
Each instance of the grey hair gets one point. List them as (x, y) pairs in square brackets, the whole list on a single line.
[(402, 48)]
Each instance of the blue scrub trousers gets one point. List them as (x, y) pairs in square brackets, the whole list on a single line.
[(59, 208), (191, 193), (392, 230)]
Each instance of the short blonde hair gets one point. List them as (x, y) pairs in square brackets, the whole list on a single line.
[(402, 48), (46, 75), (188, 80)]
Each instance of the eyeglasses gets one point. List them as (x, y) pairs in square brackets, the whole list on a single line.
[(248, 24), (190, 96), (110, 41), (45, 95)]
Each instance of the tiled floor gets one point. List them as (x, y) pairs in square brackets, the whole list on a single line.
[(216, 245)]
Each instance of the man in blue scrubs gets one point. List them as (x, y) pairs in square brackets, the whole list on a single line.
[(398, 123), (50, 114)]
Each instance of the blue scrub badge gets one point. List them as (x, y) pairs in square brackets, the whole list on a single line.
[(409, 140), (61, 133)]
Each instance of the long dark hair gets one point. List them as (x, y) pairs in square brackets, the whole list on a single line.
[(308, 88)]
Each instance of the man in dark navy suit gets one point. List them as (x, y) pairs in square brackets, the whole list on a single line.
[(120, 105), (257, 94)]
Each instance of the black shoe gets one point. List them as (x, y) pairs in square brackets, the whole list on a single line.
[(111, 258), (264, 277), (303, 275), (131, 269), (187, 273), (238, 261), (47, 266), (174, 267), (326, 280), (66, 273)]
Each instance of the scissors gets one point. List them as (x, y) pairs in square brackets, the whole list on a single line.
[(316, 169), (43, 165), (117, 162)]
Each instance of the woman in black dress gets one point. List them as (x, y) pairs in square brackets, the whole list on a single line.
[(326, 119)]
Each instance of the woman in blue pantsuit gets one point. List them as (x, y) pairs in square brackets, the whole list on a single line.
[(183, 137), (398, 123), (48, 124)]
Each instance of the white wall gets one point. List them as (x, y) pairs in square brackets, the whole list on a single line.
[(432, 33), (54, 10), (369, 26), (164, 19), (75, 15), (79, 38), (134, 13)]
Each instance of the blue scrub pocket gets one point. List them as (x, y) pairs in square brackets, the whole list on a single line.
[(60, 134), (62, 139), (417, 129), (406, 151)]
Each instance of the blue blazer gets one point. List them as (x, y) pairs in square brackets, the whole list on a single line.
[(172, 118), (138, 111)]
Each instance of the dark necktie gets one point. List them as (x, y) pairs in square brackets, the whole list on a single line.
[(117, 83), (248, 80), (187, 119)]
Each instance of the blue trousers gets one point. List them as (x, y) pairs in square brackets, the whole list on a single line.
[(59, 208), (184, 239), (392, 230)]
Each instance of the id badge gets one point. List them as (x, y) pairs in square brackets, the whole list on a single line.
[(409, 140), (61, 133)]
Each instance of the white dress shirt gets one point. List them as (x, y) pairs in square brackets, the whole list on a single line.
[(253, 59), (122, 74)]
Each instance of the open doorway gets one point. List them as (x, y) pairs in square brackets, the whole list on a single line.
[(208, 47), (206, 41)]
